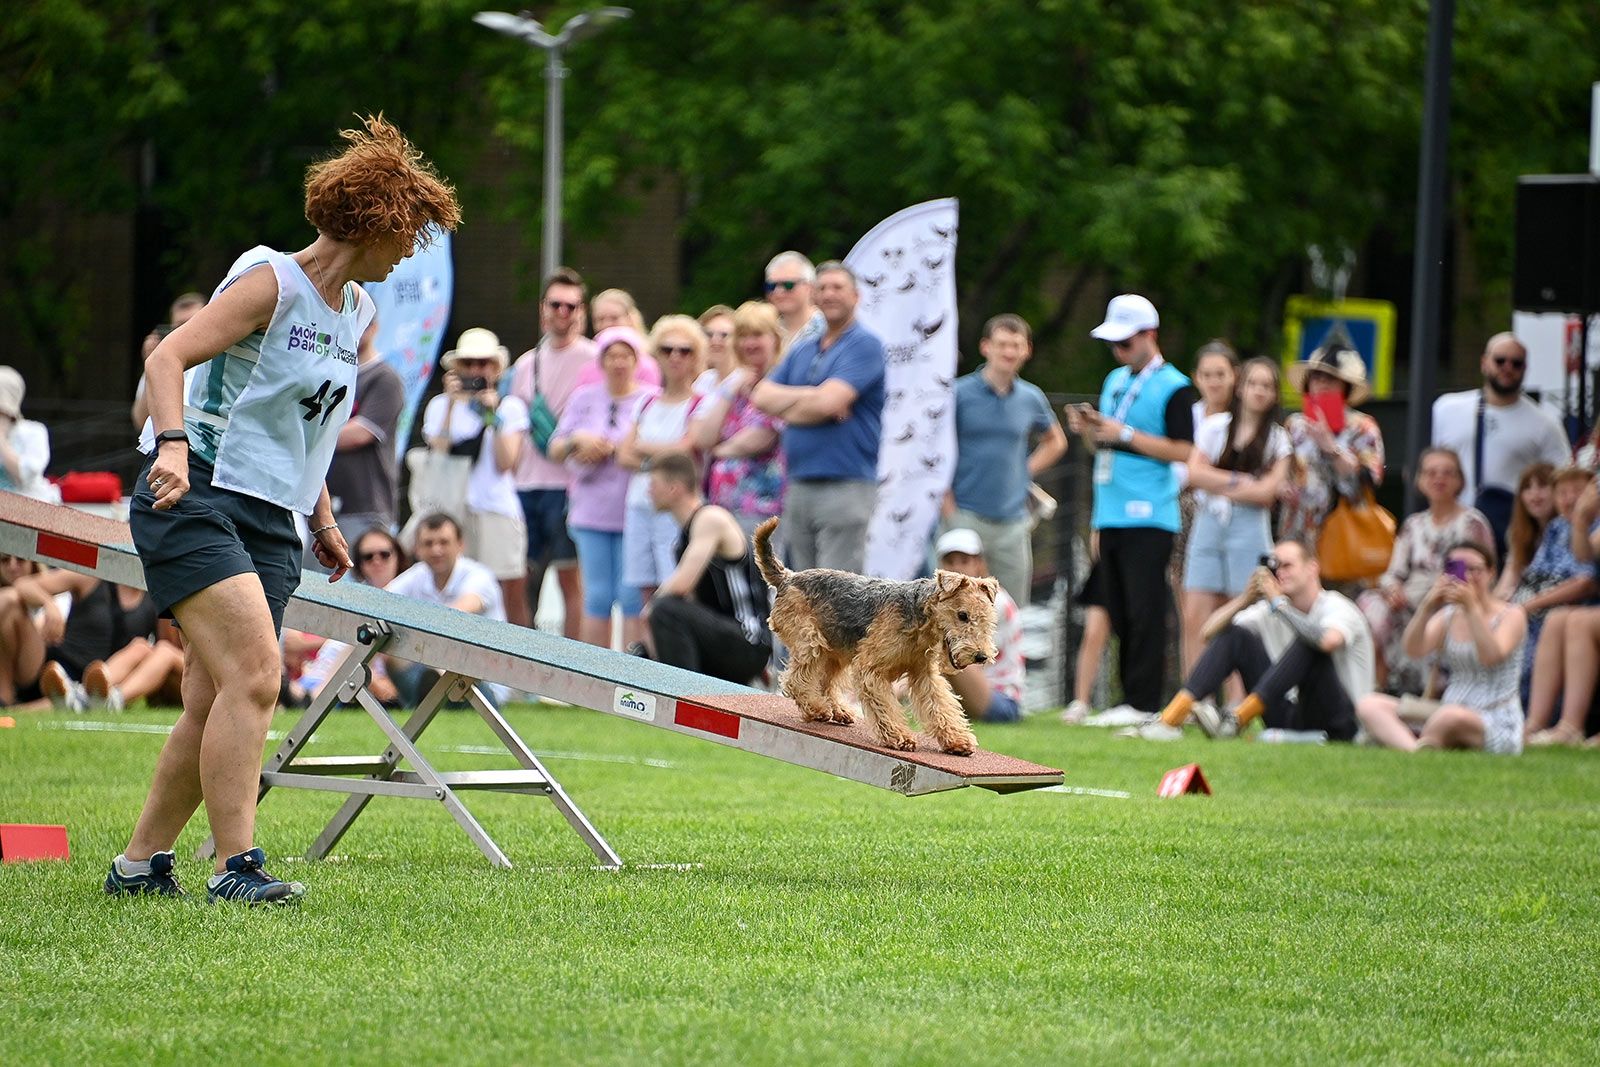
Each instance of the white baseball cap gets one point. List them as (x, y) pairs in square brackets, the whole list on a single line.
[(1126, 315), (965, 541)]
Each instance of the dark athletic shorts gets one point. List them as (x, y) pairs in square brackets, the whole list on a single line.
[(1093, 593), (210, 535)]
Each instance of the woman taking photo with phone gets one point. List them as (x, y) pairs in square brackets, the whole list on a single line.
[(1480, 639), (213, 513)]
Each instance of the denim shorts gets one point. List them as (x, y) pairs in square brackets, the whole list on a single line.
[(212, 534), (1223, 554), (1002, 708)]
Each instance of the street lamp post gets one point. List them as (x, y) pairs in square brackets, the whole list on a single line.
[(529, 30)]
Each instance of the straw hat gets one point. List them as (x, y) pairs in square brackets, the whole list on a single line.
[(1336, 361), (477, 343)]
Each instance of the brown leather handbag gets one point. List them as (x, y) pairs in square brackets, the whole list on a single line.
[(1357, 539)]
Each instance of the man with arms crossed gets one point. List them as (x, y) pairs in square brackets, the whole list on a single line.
[(829, 393)]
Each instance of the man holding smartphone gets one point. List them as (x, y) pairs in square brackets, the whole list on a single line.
[(1142, 426), (1284, 632)]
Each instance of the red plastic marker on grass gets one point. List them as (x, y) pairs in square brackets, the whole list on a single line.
[(25, 841), (1186, 779)]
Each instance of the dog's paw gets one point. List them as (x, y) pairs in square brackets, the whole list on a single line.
[(842, 716), (901, 740), (962, 744), (810, 714)]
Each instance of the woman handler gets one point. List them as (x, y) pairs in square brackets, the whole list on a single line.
[(212, 517)]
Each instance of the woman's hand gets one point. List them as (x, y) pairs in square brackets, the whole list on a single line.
[(329, 546), (488, 398), (1395, 596), (169, 474), (590, 448), (452, 386), (1321, 434)]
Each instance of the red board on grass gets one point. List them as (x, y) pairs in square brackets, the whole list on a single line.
[(24, 841), (1186, 779)]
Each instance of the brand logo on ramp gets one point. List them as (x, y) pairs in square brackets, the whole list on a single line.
[(634, 704)]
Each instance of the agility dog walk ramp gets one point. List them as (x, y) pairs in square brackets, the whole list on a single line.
[(467, 650)]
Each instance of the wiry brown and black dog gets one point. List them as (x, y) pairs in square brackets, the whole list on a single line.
[(879, 629)]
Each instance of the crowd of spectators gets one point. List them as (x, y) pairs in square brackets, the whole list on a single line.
[(636, 465)]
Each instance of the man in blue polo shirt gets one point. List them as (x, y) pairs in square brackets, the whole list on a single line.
[(997, 414), (829, 393), (1144, 424)]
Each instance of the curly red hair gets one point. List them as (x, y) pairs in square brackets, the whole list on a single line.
[(379, 186)]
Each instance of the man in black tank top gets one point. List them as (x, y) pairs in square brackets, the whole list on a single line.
[(710, 614)]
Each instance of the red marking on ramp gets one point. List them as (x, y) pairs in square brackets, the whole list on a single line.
[(721, 723), (68, 551)]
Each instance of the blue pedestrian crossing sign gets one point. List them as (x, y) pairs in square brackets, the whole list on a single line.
[(1365, 325)]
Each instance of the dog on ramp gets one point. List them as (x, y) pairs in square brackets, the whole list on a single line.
[(878, 630)]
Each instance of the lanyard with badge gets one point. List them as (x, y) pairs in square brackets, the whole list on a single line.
[(1104, 457)]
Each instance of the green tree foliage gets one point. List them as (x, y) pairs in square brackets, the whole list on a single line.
[(1189, 150)]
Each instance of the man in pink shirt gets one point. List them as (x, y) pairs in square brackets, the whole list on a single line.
[(550, 371)]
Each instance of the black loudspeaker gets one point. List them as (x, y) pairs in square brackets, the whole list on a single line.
[(1558, 243)]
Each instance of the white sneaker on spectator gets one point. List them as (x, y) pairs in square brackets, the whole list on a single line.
[(1076, 713), (1121, 715), (1159, 731), (1216, 723), (62, 691)]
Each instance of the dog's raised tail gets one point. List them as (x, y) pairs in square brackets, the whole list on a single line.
[(767, 561)]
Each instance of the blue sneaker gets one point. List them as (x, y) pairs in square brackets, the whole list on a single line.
[(159, 882), (244, 881)]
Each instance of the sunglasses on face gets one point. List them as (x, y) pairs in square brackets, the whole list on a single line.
[(377, 553), (561, 305), (787, 287), (1509, 361), (675, 350)]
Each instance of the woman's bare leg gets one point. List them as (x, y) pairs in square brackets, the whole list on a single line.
[(1096, 635), (215, 751), (151, 673), (1549, 671), (1377, 712)]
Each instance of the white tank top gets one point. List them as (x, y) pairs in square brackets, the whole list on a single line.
[(267, 412)]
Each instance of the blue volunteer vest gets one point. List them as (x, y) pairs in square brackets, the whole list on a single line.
[(1139, 491)]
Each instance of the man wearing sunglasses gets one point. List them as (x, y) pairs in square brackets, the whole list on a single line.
[(1144, 424), (550, 372), (829, 393), (789, 283), (1499, 430)]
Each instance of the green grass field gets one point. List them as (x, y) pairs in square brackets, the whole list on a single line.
[(1326, 905)]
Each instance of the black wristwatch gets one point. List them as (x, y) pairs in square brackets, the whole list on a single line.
[(171, 435)]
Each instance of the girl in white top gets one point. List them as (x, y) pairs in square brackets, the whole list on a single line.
[(650, 537), (470, 418), (1239, 462), (214, 529)]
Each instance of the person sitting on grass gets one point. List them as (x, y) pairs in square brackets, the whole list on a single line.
[(709, 614), (1481, 639), (1285, 631), (104, 653), (1562, 570), (989, 692), (442, 575)]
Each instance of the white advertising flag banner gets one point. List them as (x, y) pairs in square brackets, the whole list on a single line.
[(413, 311), (906, 270)]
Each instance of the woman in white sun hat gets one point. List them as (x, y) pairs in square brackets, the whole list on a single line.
[(470, 418), (1336, 448)]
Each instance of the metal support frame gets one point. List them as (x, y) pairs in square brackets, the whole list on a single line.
[(381, 776)]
